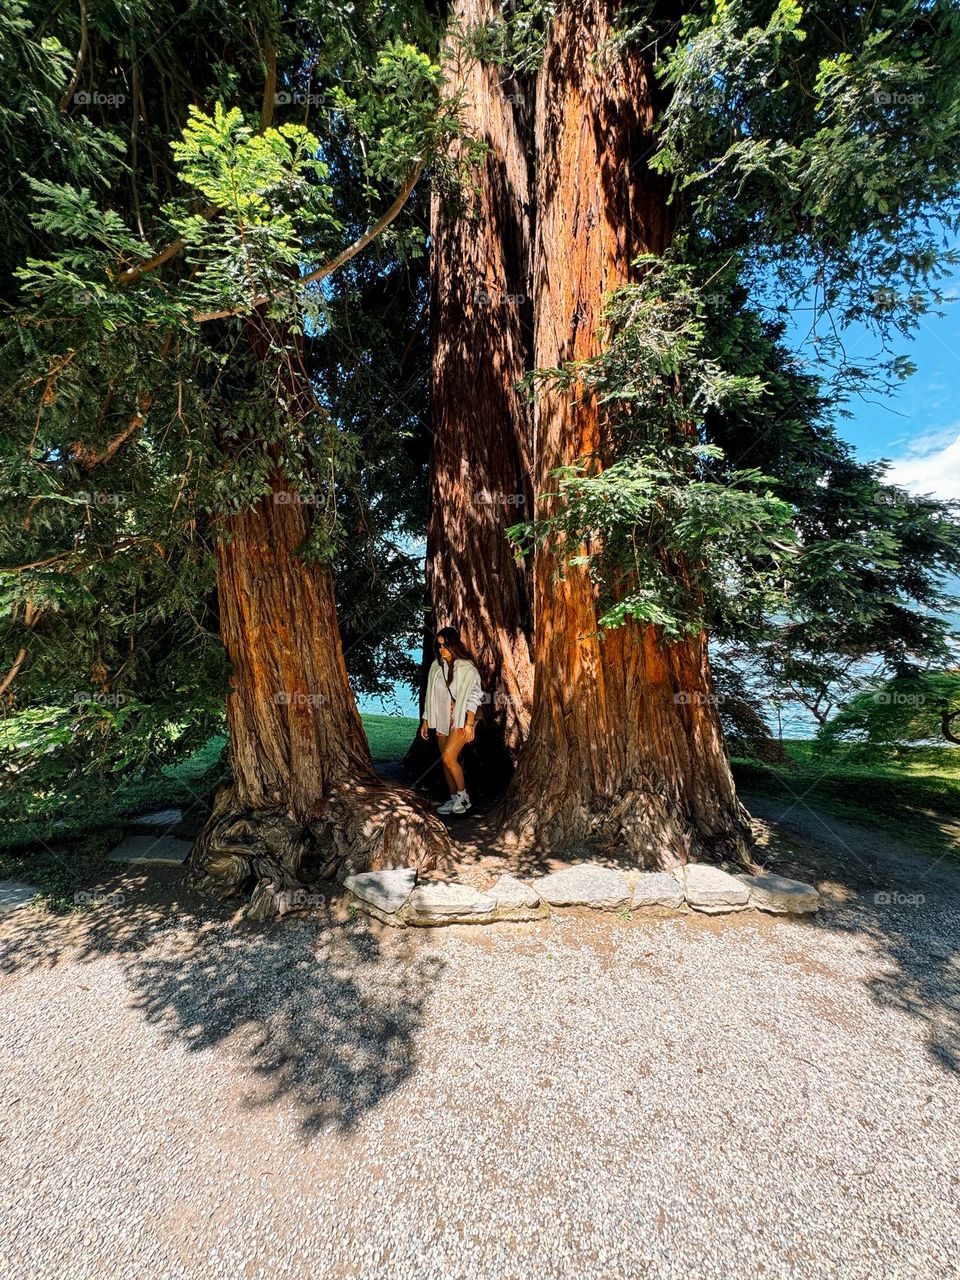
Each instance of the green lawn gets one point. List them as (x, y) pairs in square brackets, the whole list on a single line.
[(389, 736), (914, 793), (177, 786), (63, 853)]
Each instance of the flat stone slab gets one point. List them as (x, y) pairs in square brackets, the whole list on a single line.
[(162, 818), (441, 902), (15, 894), (585, 885), (709, 889), (386, 890), (656, 889), (511, 892), (151, 851), (516, 900), (781, 895)]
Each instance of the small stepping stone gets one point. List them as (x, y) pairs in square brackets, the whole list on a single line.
[(162, 818), (385, 891), (439, 902), (15, 894), (709, 889), (585, 885), (656, 889), (515, 900), (151, 851), (779, 894)]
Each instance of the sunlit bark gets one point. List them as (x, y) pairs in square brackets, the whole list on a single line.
[(625, 742)]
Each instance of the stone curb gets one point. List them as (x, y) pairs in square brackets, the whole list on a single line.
[(394, 897)]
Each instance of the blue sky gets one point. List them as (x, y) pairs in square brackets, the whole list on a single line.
[(918, 426)]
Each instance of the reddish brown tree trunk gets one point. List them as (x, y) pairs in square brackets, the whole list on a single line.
[(304, 802), (480, 419), (625, 744)]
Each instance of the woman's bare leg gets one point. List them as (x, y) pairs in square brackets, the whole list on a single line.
[(442, 743), (450, 747)]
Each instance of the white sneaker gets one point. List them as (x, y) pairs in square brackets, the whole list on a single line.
[(447, 806), (461, 803)]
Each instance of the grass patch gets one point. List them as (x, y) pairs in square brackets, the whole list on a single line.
[(389, 736), (63, 853), (913, 793)]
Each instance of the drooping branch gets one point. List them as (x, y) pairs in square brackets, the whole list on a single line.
[(134, 274), (30, 616), (334, 264), (947, 718), (36, 564)]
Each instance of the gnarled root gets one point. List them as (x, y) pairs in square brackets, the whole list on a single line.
[(280, 862), (374, 824), (640, 824)]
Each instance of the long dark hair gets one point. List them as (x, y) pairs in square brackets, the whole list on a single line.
[(451, 640)]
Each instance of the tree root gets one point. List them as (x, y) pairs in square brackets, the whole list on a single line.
[(280, 862), (640, 824)]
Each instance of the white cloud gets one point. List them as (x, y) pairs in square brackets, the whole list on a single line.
[(932, 465)]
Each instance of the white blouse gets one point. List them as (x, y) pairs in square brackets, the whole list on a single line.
[(441, 704)]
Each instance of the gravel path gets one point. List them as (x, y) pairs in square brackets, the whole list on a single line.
[(182, 1096)]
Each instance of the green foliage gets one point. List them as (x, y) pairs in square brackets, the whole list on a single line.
[(667, 545), (819, 139), (906, 709), (130, 428), (804, 562), (514, 39)]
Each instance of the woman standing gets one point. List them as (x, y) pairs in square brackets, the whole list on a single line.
[(454, 693)]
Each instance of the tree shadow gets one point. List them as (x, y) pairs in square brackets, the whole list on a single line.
[(317, 1012), (904, 903)]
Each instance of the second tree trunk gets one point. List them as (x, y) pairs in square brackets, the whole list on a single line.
[(625, 744)]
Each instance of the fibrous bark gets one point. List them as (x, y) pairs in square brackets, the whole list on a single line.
[(304, 803), (625, 743), (480, 418)]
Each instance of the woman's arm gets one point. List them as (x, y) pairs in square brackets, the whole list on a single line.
[(472, 702)]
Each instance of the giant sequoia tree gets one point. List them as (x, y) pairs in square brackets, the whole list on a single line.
[(628, 200), (690, 163), (481, 343), (159, 339), (625, 740)]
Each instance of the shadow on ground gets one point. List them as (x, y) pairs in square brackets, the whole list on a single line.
[(323, 1013), (901, 901)]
